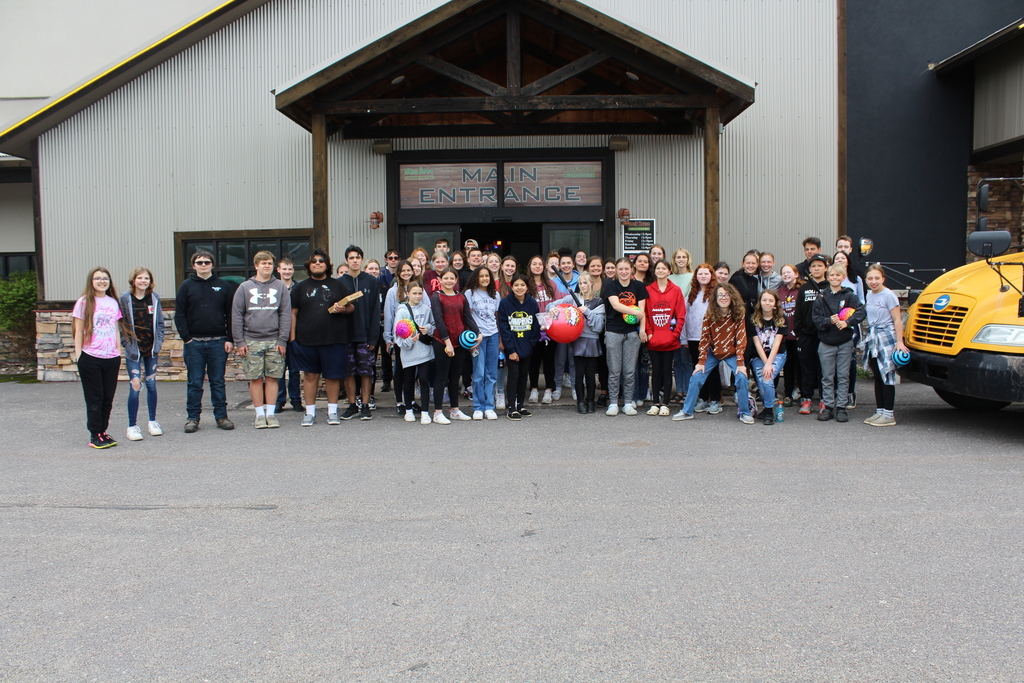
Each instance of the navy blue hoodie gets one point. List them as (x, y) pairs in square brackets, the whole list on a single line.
[(518, 325)]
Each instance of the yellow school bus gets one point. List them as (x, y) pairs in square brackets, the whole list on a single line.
[(965, 332)]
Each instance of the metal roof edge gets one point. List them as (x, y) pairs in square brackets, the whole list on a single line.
[(17, 138), (965, 56)]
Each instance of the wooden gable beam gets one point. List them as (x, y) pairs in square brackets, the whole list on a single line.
[(510, 103), (571, 70), (617, 52), (456, 73), (429, 46), (514, 52)]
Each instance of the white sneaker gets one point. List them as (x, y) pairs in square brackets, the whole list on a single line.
[(410, 416), (457, 414), (702, 406), (638, 404), (653, 410), (533, 396), (154, 428), (566, 381), (135, 433), (478, 414), (629, 409), (714, 408), (746, 418), (556, 394), (499, 400), (574, 395), (440, 419), (490, 415), (425, 417), (682, 416), (612, 411), (547, 396)]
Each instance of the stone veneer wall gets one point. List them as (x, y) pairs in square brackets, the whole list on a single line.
[(55, 346), (1006, 201)]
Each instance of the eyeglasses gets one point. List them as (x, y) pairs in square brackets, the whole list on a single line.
[(202, 263), (101, 279), (722, 297), (391, 258)]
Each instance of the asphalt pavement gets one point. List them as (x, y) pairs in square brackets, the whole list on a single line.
[(559, 548)]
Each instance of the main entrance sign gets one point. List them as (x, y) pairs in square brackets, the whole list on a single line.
[(540, 183)]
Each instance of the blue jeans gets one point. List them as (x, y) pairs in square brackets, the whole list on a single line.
[(143, 369), (485, 373), (291, 388), (206, 359), (682, 368), (767, 387), (697, 381)]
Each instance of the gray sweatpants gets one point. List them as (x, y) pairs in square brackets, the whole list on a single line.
[(835, 358), (621, 351)]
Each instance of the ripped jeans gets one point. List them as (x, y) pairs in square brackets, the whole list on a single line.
[(136, 379)]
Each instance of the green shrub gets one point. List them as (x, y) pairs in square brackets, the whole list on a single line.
[(17, 299)]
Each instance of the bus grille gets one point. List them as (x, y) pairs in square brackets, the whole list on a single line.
[(935, 328)]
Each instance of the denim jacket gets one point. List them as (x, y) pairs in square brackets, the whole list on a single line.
[(131, 345)]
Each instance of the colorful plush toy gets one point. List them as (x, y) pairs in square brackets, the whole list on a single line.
[(405, 328), (846, 313), (632, 318)]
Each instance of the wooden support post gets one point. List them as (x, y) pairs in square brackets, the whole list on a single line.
[(711, 185), (320, 239), (513, 53)]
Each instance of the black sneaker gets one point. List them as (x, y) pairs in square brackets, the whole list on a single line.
[(108, 439), (514, 414), (768, 417), (365, 414), (373, 403), (841, 415), (602, 400), (525, 413), (297, 407), (350, 412), (279, 408), (97, 441), (400, 409), (825, 415), (385, 387)]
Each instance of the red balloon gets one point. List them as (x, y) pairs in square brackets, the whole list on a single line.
[(566, 323)]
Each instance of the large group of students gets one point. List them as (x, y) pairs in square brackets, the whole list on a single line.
[(474, 325)]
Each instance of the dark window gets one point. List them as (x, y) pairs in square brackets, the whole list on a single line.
[(17, 263), (233, 257)]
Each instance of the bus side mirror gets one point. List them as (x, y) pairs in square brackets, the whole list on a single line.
[(988, 244), (982, 197)]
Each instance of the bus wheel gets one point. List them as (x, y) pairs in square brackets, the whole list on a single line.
[(969, 403)]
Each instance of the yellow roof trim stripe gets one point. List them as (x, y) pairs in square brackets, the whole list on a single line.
[(117, 66)]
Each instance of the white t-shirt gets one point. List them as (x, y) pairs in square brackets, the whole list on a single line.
[(878, 306)]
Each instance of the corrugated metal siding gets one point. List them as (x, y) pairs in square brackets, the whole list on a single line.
[(196, 144), (999, 95)]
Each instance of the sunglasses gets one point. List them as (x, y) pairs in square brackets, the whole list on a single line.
[(391, 258), (317, 260), (203, 263)]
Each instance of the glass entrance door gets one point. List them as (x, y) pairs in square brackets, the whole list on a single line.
[(426, 236), (574, 236)]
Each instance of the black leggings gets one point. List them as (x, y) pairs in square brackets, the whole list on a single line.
[(586, 368), (399, 378), (99, 382), (449, 368), (661, 375), (791, 370), (885, 394), (409, 376), (517, 376), (543, 354)]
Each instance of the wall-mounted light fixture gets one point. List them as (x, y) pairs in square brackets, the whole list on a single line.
[(376, 218), (618, 143), (624, 216), (383, 147)]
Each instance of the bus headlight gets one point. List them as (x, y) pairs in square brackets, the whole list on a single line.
[(1000, 335)]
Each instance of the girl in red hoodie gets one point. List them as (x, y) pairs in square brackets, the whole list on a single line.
[(666, 311)]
